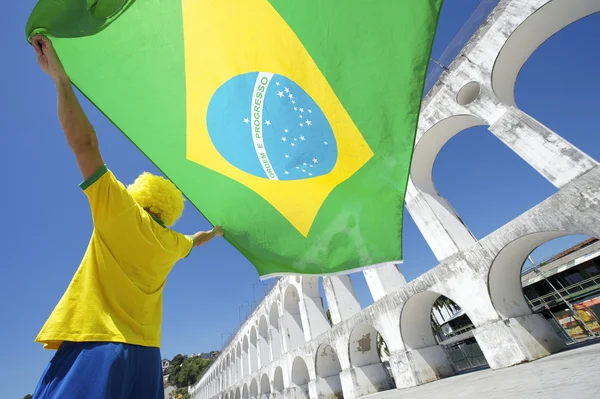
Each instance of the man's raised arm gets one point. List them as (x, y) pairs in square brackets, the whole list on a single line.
[(79, 132), (202, 237)]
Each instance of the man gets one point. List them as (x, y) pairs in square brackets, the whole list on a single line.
[(106, 328)]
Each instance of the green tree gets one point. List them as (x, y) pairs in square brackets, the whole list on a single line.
[(28, 396), (185, 371)]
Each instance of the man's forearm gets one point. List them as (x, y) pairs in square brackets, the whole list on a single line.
[(78, 130), (203, 237)]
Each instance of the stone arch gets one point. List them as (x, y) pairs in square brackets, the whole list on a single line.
[(314, 306), (263, 342), (274, 332), (416, 328), (238, 394), (245, 392), (254, 389), (265, 386), (278, 385), (364, 356), (300, 376), (429, 146), (253, 350), (245, 357), (238, 362), (292, 319), (504, 276), (328, 369), (363, 346), (529, 35)]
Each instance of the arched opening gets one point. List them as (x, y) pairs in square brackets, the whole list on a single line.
[(437, 330), (274, 333), (278, 380), (254, 389), (245, 358), (245, 393), (292, 321), (228, 371), (554, 274), (238, 363), (265, 386), (485, 196), (557, 73), (263, 342), (328, 371), (530, 34), (227, 395), (253, 351), (238, 394), (365, 347), (300, 377), (315, 306)]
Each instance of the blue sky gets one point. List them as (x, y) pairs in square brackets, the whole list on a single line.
[(47, 222)]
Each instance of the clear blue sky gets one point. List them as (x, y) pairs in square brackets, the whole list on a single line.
[(47, 223)]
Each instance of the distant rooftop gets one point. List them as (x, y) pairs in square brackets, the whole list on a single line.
[(564, 260)]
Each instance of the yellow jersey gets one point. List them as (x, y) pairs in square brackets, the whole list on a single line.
[(116, 293)]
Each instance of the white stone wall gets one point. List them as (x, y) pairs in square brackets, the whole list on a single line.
[(288, 349)]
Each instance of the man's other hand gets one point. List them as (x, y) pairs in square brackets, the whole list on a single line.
[(217, 231), (47, 58)]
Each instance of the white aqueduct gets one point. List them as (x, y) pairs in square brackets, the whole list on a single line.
[(288, 349)]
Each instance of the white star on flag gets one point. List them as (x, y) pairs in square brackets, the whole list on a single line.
[(304, 170), (246, 120), (304, 164), (310, 166), (293, 145), (284, 138), (297, 167), (301, 124), (268, 123), (280, 93), (315, 160), (295, 109), (287, 156), (277, 83), (291, 96), (308, 122), (300, 116), (285, 130), (301, 109), (287, 173), (286, 90), (325, 143), (302, 138), (293, 102), (310, 174), (310, 111), (295, 139)]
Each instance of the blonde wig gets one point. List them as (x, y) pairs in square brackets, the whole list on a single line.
[(159, 196)]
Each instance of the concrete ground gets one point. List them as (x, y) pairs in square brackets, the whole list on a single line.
[(570, 374)]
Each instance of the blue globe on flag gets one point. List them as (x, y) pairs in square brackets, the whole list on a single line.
[(268, 126)]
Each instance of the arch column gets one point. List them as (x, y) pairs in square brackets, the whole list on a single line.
[(559, 161), (341, 298), (312, 311), (383, 280)]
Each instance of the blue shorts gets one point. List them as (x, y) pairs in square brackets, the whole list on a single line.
[(108, 370)]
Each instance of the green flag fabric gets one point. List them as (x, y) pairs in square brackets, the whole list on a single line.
[(291, 123)]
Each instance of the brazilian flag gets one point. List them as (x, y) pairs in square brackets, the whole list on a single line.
[(289, 122)]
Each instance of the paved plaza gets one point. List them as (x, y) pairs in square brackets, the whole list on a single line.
[(570, 374)]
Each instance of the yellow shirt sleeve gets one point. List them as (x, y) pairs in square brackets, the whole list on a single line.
[(108, 197)]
